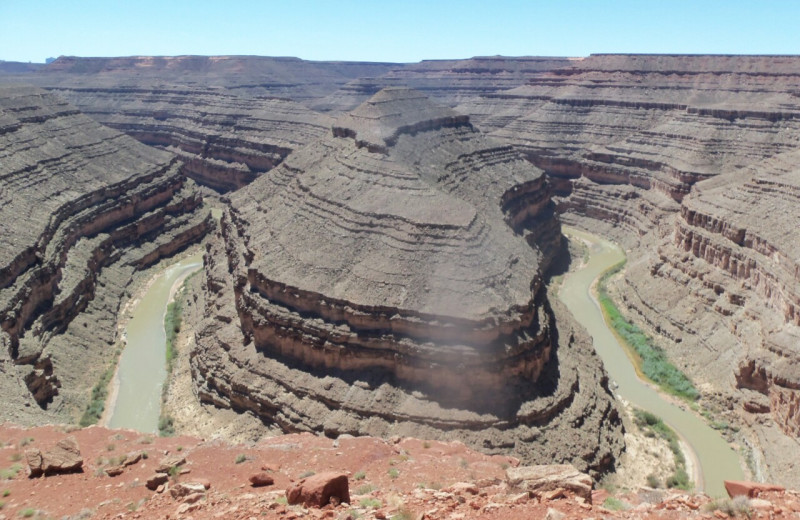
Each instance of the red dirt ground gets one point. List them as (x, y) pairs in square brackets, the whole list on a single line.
[(406, 479)]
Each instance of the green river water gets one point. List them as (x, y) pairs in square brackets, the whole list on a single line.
[(716, 459), (142, 365)]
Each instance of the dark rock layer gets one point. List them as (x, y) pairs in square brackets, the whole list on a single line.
[(83, 208), (691, 162), (388, 279), (224, 140)]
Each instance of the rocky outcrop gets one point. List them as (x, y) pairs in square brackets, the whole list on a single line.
[(64, 457), (353, 288), (224, 140), (84, 207), (537, 480)]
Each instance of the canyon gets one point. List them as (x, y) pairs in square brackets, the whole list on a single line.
[(349, 287)]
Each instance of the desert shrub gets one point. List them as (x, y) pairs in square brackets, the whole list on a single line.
[(370, 503), (615, 504)]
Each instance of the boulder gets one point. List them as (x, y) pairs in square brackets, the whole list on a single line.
[(319, 490), (543, 478), (261, 479), (114, 471), (132, 458), (170, 462), (744, 488), (156, 480), (462, 488), (185, 489), (64, 457)]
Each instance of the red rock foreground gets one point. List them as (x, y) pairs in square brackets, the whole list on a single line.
[(365, 477)]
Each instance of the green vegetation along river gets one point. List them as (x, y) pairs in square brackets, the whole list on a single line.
[(717, 461), (141, 371)]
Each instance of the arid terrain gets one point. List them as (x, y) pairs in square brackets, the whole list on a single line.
[(125, 474), (387, 235)]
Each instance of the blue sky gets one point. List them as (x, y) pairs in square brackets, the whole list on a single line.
[(397, 30)]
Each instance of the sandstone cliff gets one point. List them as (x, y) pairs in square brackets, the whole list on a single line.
[(387, 280), (82, 208)]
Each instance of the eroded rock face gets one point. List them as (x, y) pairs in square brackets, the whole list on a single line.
[(388, 279), (448, 82), (224, 140), (691, 162), (83, 208)]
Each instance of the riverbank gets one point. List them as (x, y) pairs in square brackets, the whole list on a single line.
[(714, 458), (190, 416), (127, 313)]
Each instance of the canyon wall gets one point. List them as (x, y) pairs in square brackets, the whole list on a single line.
[(448, 82), (83, 209), (691, 162), (224, 140), (388, 279)]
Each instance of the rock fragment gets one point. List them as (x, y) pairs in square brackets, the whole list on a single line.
[(319, 490), (64, 457), (542, 479)]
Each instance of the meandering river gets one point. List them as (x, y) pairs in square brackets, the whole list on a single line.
[(142, 365), (716, 459)]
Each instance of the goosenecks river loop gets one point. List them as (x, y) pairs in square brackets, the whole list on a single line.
[(717, 461), (141, 372)]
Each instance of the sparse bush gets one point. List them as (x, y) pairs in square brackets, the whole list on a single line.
[(6, 492), (111, 447), (370, 503), (653, 481), (360, 476), (166, 426), (403, 513), (426, 445), (463, 463), (738, 506), (282, 500), (393, 473), (241, 458), (615, 504), (24, 442), (365, 489), (16, 456), (174, 471), (27, 513), (10, 472), (306, 474), (656, 427), (94, 410)]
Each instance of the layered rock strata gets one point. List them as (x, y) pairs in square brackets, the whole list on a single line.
[(448, 82), (689, 161), (249, 76), (387, 279), (224, 140), (83, 208)]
